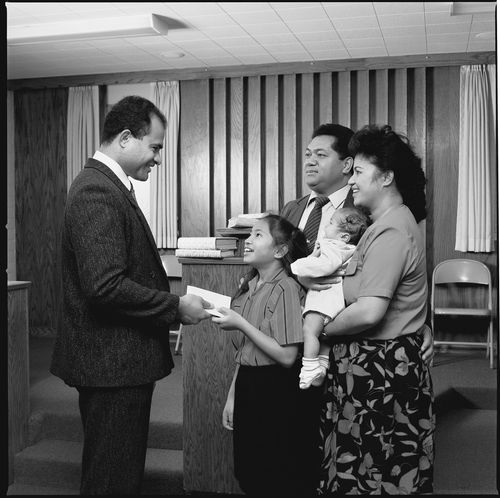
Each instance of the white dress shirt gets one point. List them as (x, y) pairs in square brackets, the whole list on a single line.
[(336, 201), (114, 167)]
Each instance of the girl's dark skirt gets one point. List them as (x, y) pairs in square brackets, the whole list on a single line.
[(276, 432)]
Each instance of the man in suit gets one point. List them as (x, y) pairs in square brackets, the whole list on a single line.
[(327, 168), (114, 341)]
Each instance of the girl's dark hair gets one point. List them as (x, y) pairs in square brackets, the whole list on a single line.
[(130, 113), (283, 233), (390, 151)]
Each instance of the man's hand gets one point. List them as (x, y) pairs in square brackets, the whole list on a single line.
[(192, 309), (319, 283)]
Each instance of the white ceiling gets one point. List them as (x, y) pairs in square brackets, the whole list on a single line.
[(215, 34)]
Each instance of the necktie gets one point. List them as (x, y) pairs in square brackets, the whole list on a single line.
[(312, 224), (132, 191)]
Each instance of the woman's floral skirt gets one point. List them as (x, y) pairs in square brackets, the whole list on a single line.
[(377, 428)]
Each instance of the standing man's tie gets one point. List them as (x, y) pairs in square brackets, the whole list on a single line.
[(132, 191), (312, 224)]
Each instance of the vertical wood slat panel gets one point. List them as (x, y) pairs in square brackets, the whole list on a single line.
[(344, 98), (194, 144), (219, 154), (417, 111), (271, 173), (325, 98), (400, 101), (363, 99), (307, 120), (381, 97), (289, 139), (40, 180), (236, 193), (254, 146)]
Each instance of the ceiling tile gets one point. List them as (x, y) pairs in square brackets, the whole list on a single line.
[(368, 52), (436, 29), (262, 29), (445, 48), (243, 41), (416, 31), (292, 57), (247, 18), (448, 38), (480, 46), (349, 34), (299, 14), (444, 17), (222, 32), (479, 26), (234, 7), (257, 59), (144, 7), (276, 38), (185, 35), (410, 50), (324, 45), (317, 36), (310, 26), (226, 60), (364, 42), (405, 43), (279, 6), (42, 8), (220, 20), (337, 10), (195, 8), (398, 20), (383, 8), (330, 54), (437, 6), (355, 22), (283, 48), (243, 50)]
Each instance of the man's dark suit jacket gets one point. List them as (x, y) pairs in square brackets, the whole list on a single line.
[(117, 305), (293, 210)]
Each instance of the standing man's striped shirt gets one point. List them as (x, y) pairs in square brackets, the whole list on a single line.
[(275, 309)]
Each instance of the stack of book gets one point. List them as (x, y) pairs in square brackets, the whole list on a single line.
[(244, 220), (206, 247)]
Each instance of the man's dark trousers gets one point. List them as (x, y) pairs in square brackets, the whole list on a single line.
[(112, 463)]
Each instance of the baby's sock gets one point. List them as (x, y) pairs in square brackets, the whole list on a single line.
[(311, 371)]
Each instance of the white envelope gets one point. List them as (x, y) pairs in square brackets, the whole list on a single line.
[(218, 300)]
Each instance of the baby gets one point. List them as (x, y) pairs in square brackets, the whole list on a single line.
[(346, 227)]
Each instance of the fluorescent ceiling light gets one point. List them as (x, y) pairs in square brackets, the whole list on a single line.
[(88, 29), (468, 8)]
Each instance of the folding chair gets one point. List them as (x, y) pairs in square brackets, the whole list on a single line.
[(470, 272)]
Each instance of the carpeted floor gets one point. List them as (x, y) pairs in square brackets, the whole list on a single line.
[(466, 406)]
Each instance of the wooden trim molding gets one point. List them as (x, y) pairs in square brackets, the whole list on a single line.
[(407, 61)]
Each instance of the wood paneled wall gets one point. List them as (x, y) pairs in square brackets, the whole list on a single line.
[(40, 182), (243, 139)]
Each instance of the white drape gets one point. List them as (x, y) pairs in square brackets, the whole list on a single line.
[(163, 210), (82, 128), (477, 146)]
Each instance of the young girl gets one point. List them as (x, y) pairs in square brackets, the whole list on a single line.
[(273, 453)]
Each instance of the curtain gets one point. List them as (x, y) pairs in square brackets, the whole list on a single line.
[(163, 210), (82, 128), (476, 161)]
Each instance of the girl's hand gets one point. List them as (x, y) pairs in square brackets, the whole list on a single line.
[(227, 414), (230, 320)]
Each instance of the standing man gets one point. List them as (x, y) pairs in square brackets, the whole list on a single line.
[(114, 341), (327, 167)]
